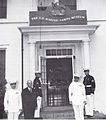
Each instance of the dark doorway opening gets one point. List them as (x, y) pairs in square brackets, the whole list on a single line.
[(59, 76)]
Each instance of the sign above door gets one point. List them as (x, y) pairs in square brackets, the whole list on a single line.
[(57, 15)]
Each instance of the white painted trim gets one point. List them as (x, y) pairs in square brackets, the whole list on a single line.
[(59, 33), (62, 56), (4, 46), (62, 46), (90, 29)]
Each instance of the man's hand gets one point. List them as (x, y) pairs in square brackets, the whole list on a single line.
[(70, 102), (20, 110), (85, 102), (92, 94), (6, 111)]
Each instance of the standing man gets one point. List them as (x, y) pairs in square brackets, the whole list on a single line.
[(29, 101), (37, 83), (12, 102), (89, 83), (37, 87), (77, 97)]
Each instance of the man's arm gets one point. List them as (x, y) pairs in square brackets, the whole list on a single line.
[(6, 102), (20, 101), (70, 93), (93, 85), (84, 81), (84, 94)]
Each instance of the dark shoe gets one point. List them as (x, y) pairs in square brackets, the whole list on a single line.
[(89, 116)]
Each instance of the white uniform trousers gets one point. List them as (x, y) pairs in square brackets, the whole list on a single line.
[(90, 105), (79, 112), (12, 115), (37, 111)]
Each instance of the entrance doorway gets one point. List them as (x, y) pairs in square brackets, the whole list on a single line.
[(59, 76)]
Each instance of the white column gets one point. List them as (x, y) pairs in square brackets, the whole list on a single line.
[(86, 54), (34, 5), (32, 60)]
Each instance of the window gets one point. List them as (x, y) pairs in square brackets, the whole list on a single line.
[(3, 8), (70, 3), (42, 4), (58, 52)]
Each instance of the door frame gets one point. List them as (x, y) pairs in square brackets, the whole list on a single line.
[(62, 104), (44, 84)]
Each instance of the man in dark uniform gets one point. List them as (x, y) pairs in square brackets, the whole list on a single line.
[(89, 83), (37, 83), (37, 88), (29, 101)]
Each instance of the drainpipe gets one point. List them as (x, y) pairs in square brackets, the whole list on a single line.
[(22, 57)]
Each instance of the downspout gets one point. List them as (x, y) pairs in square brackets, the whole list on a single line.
[(22, 59)]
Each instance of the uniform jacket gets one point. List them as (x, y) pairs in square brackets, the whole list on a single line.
[(37, 86), (29, 102), (12, 100), (89, 83), (77, 93)]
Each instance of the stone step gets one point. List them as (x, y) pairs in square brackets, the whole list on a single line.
[(63, 112), (66, 112), (72, 119), (58, 108)]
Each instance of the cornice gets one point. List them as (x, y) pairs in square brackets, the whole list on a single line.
[(89, 29)]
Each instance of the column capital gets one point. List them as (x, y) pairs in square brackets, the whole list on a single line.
[(86, 40)]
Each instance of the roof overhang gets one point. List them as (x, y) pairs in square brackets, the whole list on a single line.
[(90, 29), (59, 32)]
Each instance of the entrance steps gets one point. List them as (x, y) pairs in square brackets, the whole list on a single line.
[(63, 112), (66, 113)]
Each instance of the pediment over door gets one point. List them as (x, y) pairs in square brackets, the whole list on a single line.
[(58, 32)]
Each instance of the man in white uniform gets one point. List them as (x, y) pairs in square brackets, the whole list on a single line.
[(77, 97), (12, 102)]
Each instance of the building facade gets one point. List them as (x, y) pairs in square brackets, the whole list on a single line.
[(58, 51)]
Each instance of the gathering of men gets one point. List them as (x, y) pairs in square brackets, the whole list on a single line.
[(82, 95), (29, 101)]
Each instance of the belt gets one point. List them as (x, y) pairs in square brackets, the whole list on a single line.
[(88, 86)]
